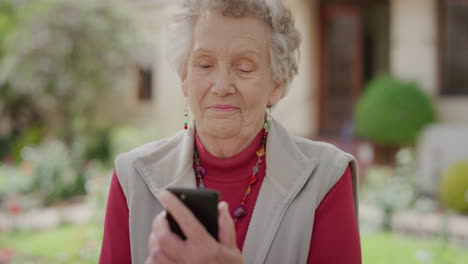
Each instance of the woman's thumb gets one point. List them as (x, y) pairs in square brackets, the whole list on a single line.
[(227, 231)]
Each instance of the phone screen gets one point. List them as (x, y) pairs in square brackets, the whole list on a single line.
[(203, 204)]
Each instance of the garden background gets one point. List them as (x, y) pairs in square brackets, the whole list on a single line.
[(81, 81)]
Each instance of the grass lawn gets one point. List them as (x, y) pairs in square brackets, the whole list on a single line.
[(383, 248), (66, 244), (80, 244)]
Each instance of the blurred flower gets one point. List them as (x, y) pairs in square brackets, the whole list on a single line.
[(15, 208), (424, 256), (9, 160), (5, 255), (27, 167)]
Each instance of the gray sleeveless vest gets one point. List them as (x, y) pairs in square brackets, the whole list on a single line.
[(299, 173)]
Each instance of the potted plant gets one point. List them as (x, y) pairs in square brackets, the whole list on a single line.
[(391, 113)]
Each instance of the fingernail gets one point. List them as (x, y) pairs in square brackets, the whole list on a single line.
[(223, 205), (162, 215)]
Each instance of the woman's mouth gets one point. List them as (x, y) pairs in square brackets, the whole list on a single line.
[(223, 108)]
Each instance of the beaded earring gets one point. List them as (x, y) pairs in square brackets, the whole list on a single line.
[(186, 118), (267, 124)]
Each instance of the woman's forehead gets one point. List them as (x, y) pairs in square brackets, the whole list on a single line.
[(236, 51), (245, 34)]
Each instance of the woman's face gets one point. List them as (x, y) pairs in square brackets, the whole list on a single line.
[(229, 81)]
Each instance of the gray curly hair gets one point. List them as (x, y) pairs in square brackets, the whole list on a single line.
[(285, 38)]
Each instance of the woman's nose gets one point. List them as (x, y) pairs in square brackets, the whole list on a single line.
[(223, 84)]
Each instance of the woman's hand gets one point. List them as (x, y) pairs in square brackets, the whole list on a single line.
[(200, 246)]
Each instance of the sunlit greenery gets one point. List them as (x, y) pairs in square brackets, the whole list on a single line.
[(63, 58), (66, 244), (393, 112), (81, 244), (388, 248)]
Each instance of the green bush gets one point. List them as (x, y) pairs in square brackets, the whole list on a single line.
[(29, 137), (454, 187), (7, 20), (126, 138), (55, 173), (392, 112), (389, 189), (21, 122), (13, 180)]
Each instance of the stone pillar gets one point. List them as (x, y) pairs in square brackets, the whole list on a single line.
[(413, 54)]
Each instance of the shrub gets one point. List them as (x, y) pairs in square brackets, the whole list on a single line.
[(20, 123), (55, 174), (392, 112), (12, 180), (454, 187), (126, 138), (391, 189)]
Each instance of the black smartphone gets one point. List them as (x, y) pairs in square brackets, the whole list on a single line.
[(203, 204)]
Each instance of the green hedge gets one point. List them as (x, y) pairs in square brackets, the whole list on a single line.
[(392, 112), (454, 187)]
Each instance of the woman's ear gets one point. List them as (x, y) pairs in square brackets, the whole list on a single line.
[(276, 93)]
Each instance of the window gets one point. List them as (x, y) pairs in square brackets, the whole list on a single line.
[(454, 48), (145, 84)]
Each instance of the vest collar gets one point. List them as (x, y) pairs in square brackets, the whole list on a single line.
[(171, 164)]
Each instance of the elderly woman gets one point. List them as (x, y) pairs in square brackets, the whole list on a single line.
[(285, 199)]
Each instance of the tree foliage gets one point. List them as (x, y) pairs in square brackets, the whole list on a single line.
[(20, 122), (66, 55)]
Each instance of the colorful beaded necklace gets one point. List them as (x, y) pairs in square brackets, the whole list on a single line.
[(200, 172)]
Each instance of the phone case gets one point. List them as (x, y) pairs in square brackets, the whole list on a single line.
[(203, 204)]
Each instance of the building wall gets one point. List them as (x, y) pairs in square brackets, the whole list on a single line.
[(453, 110), (170, 99), (414, 54), (414, 42), (165, 110), (298, 111)]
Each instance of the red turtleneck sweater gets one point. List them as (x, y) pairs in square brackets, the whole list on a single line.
[(335, 239)]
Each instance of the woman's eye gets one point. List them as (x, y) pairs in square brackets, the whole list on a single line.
[(205, 66), (244, 67)]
